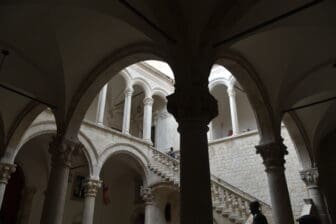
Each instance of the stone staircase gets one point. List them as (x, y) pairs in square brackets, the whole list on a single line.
[(230, 205)]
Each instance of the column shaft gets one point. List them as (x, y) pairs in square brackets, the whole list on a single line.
[(127, 110), (153, 215), (195, 173), (54, 202), (147, 119), (6, 170), (311, 178), (233, 110), (273, 157), (101, 105), (91, 189)]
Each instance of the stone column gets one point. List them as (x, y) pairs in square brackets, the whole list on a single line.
[(127, 110), (233, 110), (273, 156), (91, 189), (101, 105), (6, 170), (193, 108), (152, 212), (26, 204), (147, 119), (61, 153), (311, 178)]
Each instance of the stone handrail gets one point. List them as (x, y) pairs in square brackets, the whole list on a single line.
[(228, 200)]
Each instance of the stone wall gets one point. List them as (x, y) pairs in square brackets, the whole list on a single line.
[(235, 161)]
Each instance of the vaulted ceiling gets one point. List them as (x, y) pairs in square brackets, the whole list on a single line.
[(62, 50)]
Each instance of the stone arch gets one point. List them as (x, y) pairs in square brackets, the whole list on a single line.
[(218, 82), (49, 127), (143, 84), (100, 75), (160, 93), (300, 139), (124, 73), (267, 122), (124, 148), (23, 122)]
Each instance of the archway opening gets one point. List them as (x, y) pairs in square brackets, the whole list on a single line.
[(119, 198)]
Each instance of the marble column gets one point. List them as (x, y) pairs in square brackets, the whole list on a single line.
[(101, 105), (61, 154), (147, 119), (193, 110), (233, 110), (273, 158), (26, 204), (6, 170), (127, 110), (152, 212), (91, 188), (311, 178)]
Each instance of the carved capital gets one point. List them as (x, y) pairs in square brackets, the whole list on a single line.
[(148, 101), (62, 150), (193, 104), (147, 195), (310, 177), (231, 92), (6, 170), (273, 155), (91, 187), (128, 91)]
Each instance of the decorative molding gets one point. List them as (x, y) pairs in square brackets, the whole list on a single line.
[(91, 187), (273, 155), (147, 195), (62, 150), (148, 101), (6, 170), (310, 177)]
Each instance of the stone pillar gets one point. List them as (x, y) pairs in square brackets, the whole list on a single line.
[(273, 157), (152, 212), (26, 204), (6, 170), (233, 110), (101, 105), (91, 189), (127, 110), (193, 108), (311, 178), (61, 153), (147, 119)]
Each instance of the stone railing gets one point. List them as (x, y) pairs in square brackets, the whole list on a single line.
[(229, 202)]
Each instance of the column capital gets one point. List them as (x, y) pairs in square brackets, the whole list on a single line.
[(128, 91), (231, 91), (6, 170), (91, 187), (310, 177), (147, 195), (148, 101), (193, 103), (273, 155), (62, 150)]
